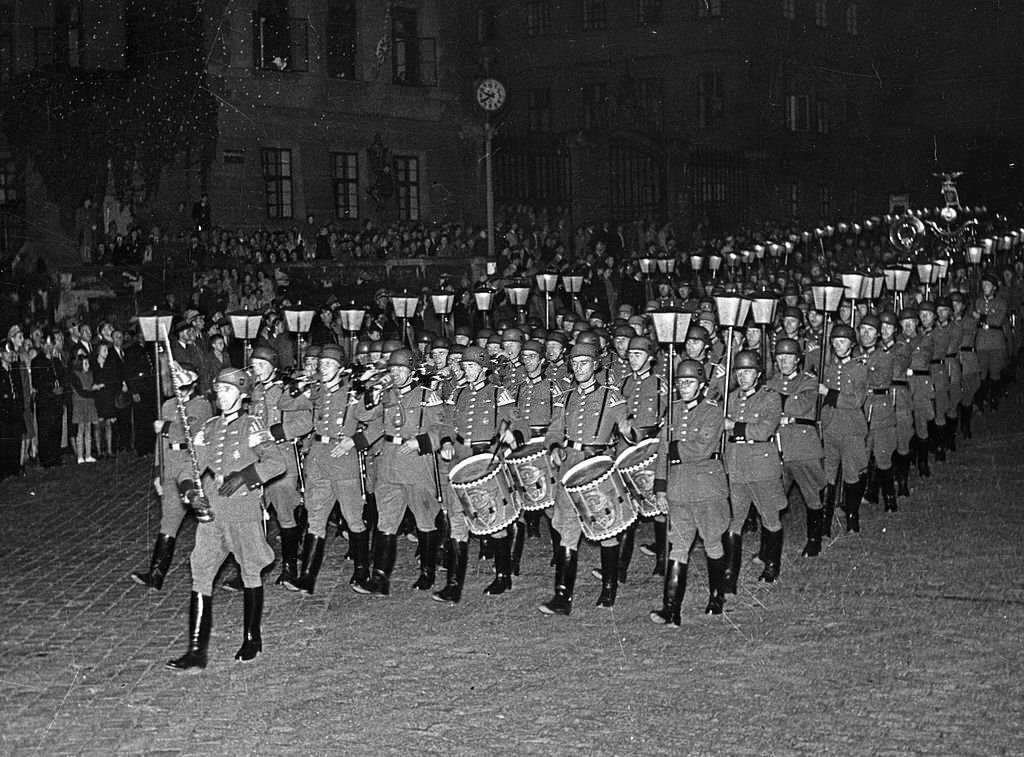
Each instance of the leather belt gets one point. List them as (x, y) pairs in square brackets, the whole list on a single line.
[(584, 447), (395, 439), (538, 430), (648, 432), (899, 382), (879, 391), (177, 447), (917, 372), (935, 362), (326, 439), (734, 440), (951, 354), (967, 349), (805, 422)]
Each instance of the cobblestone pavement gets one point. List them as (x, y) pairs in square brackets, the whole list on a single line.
[(906, 639)]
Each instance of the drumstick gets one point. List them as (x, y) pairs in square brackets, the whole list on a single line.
[(502, 428)]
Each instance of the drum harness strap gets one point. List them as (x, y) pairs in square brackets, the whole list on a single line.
[(600, 419)]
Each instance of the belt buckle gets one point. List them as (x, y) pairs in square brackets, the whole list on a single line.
[(397, 440)]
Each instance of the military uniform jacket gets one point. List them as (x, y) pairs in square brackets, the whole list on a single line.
[(954, 329), (173, 439), (475, 412), (646, 396), (993, 311), (968, 350), (798, 432), (409, 413), (750, 454), (288, 418), (847, 384), (618, 369), (695, 471), (337, 413), (12, 403), (879, 403), (586, 417), (559, 371), (535, 400), (237, 443), (921, 349), (940, 346)]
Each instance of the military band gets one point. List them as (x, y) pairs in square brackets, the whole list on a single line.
[(485, 434)]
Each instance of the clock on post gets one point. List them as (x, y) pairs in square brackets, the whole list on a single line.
[(490, 94)]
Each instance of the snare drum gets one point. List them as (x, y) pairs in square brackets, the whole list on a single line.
[(599, 495), (637, 466), (530, 470), (485, 493)]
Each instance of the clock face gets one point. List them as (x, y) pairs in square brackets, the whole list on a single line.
[(490, 94)]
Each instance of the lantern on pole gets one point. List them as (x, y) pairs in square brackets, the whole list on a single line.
[(896, 279), (826, 298), (298, 320), (405, 308), (352, 323), (732, 312), (647, 265), (483, 296), (246, 326), (518, 294), (443, 303), (547, 283), (155, 326), (762, 310), (670, 327)]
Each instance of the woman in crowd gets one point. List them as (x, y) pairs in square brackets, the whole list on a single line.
[(83, 407), (106, 376)]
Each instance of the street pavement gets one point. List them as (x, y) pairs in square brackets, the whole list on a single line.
[(905, 639)]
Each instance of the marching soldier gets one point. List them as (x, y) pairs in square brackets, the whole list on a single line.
[(969, 367), (410, 417), (554, 353), (755, 471), (288, 418), (954, 373), (802, 452), (694, 491), (922, 393), (618, 359), (939, 338), (583, 424), (990, 312), (880, 412), (900, 351), (332, 472), (236, 456), (174, 478), (480, 414), (844, 429)]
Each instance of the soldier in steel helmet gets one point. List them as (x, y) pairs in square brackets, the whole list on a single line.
[(880, 413), (755, 470), (694, 490), (236, 456)]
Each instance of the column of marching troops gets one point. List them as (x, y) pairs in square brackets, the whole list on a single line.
[(392, 430)]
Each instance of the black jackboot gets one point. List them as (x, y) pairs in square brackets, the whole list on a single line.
[(502, 552), (532, 518), (828, 511), (289, 555), (565, 584), (672, 600), (871, 483), (458, 556), (901, 470), (937, 434), (627, 540), (716, 587), (660, 539), (813, 546), (733, 545), (312, 559), (609, 575), (556, 544), (966, 413), (951, 425), (359, 549), (518, 543), (163, 551), (852, 505), (921, 453), (888, 486), (773, 554), (200, 621), (252, 614), (385, 548), (428, 560)]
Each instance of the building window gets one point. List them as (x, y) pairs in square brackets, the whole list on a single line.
[(710, 101), (595, 15), (8, 181), (67, 37), (341, 35), (821, 13), (346, 184), (851, 19), (595, 106), (277, 181), (650, 96), (414, 59), (823, 116), (709, 8), (280, 43), (648, 12), (538, 18), (538, 109), (825, 197), (233, 157), (407, 178), (789, 9), (793, 200), (6, 48), (798, 114), (42, 46), (637, 186), (487, 24)]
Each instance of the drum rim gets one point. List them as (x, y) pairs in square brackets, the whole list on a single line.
[(584, 463), (465, 463), (634, 448), (520, 455)]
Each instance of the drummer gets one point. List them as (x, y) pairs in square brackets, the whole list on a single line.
[(479, 415), (692, 487), (583, 424), (535, 399)]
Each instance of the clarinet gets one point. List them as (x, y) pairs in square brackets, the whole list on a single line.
[(201, 503)]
